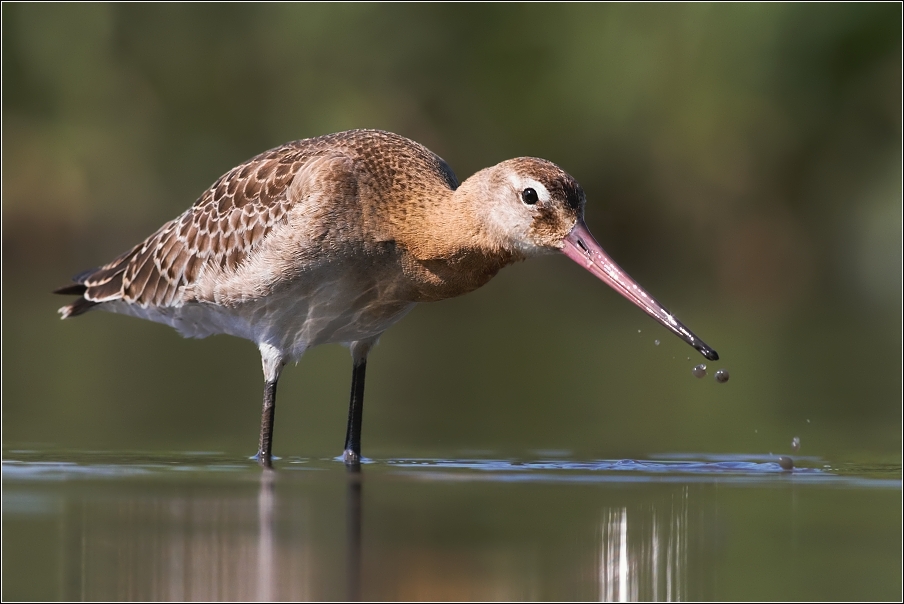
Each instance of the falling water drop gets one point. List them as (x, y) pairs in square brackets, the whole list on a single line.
[(699, 371)]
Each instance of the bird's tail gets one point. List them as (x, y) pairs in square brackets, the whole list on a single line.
[(85, 285)]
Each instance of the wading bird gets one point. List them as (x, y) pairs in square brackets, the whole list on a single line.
[(333, 239)]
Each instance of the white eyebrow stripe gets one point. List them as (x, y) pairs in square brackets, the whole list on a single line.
[(520, 183)]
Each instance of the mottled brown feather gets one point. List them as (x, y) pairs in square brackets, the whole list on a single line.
[(205, 233)]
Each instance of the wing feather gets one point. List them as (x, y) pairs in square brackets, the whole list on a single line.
[(228, 221), (238, 213)]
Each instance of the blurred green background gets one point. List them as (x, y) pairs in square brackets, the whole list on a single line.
[(742, 162)]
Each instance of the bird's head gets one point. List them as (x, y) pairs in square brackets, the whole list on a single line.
[(526, 205)]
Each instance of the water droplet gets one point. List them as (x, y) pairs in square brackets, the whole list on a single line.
[(699, 371), (638, 331), (721, 376), (808, 421), (795, 444), (786, 462), (656, 342)]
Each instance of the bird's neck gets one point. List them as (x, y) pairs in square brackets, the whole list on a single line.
[(449, 249)]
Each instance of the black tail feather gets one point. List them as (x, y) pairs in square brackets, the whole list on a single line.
[(78, 287), (77, 308), (83, 276), (82, 305), (74, 289)]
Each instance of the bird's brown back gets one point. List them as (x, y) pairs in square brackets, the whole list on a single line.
[(238, 212)]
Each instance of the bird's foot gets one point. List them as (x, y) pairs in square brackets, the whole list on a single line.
[(263, 460), (351, 458)]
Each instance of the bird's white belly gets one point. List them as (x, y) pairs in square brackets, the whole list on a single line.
[(321, 307)]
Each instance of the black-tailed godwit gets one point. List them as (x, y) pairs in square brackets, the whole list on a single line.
[(335, 238)]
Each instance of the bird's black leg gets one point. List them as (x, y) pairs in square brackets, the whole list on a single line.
[(273, 363), (265, 446), (352, 453)]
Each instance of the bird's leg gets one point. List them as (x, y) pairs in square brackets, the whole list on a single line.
[(352, 453), (273, 363), (265, 446)]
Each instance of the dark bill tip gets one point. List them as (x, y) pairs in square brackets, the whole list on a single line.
[(706, 351)]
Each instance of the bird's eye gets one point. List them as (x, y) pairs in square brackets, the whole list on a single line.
[(529, 196)]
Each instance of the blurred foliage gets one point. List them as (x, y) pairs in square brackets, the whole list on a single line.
[(743, 162)]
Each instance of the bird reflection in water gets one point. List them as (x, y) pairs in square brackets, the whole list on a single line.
[(266, 577), (643, 553), (265, 557), (298, 535), (353, 530)]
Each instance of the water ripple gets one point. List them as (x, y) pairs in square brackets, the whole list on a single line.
[(665, 468)]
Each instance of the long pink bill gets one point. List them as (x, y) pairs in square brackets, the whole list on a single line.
[(581, 247)]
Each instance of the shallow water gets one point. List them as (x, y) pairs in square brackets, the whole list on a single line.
[(207, 526)]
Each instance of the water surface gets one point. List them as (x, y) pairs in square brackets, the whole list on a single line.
[(206, 526)]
